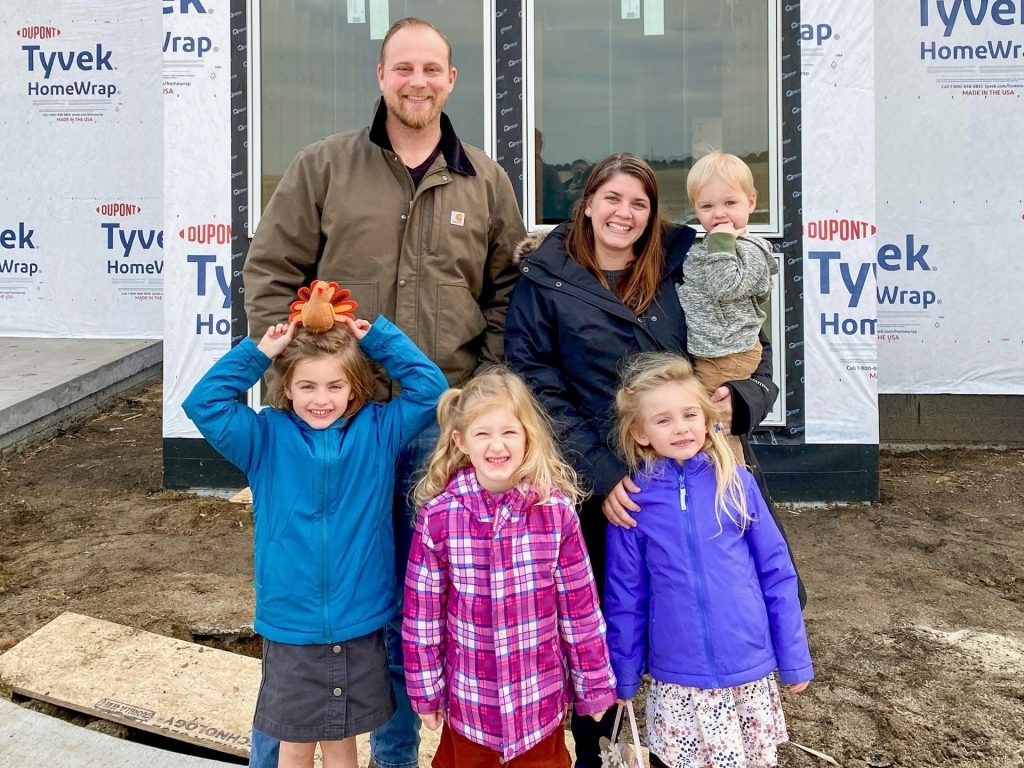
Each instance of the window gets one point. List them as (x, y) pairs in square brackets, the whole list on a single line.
[(314, 73), (664, 80), (665, 84)]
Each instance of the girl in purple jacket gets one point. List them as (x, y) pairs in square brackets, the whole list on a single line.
[(702, 593)]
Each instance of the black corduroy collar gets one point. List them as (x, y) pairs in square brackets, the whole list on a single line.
[(455, 156)]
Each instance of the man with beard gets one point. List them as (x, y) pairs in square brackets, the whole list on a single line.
[(421, 228)]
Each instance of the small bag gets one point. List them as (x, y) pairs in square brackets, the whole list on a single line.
[(616, 754)]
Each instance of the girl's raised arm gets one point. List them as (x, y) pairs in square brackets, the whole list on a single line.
[(231, 427), (421, 380)]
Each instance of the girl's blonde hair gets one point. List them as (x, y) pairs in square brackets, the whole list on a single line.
[(457, 409), (639, 285), (336, 342), (649, 371), (720, 165)]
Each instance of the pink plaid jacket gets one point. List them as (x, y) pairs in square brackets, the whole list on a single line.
[(502, 621)]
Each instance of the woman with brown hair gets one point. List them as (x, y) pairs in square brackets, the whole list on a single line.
[(596, 291)]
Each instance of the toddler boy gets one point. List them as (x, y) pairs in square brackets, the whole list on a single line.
[(726, 276)]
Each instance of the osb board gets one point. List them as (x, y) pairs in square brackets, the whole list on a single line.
[(171, 687), (244, 496)]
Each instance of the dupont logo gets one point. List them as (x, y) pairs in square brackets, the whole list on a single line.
[(38, 33), (118, 209), (206, 233), (838, 229)]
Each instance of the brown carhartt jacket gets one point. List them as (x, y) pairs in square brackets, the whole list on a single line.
[(435, 260)]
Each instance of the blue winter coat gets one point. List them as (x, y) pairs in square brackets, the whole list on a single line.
[(695, 603), (568, 336), (324, 544)]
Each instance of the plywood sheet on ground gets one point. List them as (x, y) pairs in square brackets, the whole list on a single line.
[(172, 687), (144, 680), (244, 496)]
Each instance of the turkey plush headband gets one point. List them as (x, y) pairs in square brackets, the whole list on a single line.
[(321, 305)]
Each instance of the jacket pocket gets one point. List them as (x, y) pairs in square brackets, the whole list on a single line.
[(368, 297), (551, 667), (290, 593), (458, 328), (721, 313), (460, 689)]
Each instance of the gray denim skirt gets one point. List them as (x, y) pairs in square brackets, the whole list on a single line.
[(324, 692)]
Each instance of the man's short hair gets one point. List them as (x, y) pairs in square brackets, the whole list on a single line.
[(411, 21)]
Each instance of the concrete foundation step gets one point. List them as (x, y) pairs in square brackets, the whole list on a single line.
[(46, 383)]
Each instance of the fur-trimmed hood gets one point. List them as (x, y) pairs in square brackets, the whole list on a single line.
[(528, 245)]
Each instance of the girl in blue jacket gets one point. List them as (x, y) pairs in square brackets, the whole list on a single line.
[(702, 593), (321, 465)]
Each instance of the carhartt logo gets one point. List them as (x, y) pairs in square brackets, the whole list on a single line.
[(458, 218)]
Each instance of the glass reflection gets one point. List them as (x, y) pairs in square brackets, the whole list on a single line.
[(319, 71), (602, 85)]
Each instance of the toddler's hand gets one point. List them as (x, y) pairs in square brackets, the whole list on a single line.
[(277, 338), (598, 716), (728, 229), (799, 687), (358, 328), (432, 721), (722, 400)]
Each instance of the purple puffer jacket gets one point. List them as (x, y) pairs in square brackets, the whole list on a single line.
[(695, 603)]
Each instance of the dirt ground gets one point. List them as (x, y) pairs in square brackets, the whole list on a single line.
[(916, 612)]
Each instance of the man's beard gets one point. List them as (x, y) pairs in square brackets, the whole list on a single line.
[(419, 119)]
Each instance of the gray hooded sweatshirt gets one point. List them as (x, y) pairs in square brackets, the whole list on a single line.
[(725, 279)]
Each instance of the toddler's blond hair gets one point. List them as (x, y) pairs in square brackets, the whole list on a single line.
[(719, 165)]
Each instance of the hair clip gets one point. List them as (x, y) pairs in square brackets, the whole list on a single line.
[(718, 426), (321, 305)]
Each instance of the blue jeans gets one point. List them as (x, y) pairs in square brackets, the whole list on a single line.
[(264, 751), (396, 744)]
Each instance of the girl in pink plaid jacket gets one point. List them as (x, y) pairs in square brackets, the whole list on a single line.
[(502, 627)]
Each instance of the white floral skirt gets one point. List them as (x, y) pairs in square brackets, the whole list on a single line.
[(737, 727)]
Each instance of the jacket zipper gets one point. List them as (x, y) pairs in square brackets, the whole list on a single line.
[(322, 505), (498, 620), (695, 562), (425, 239)]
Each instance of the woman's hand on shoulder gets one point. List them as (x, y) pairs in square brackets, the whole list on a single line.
[(617, 505), (277, 338)]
